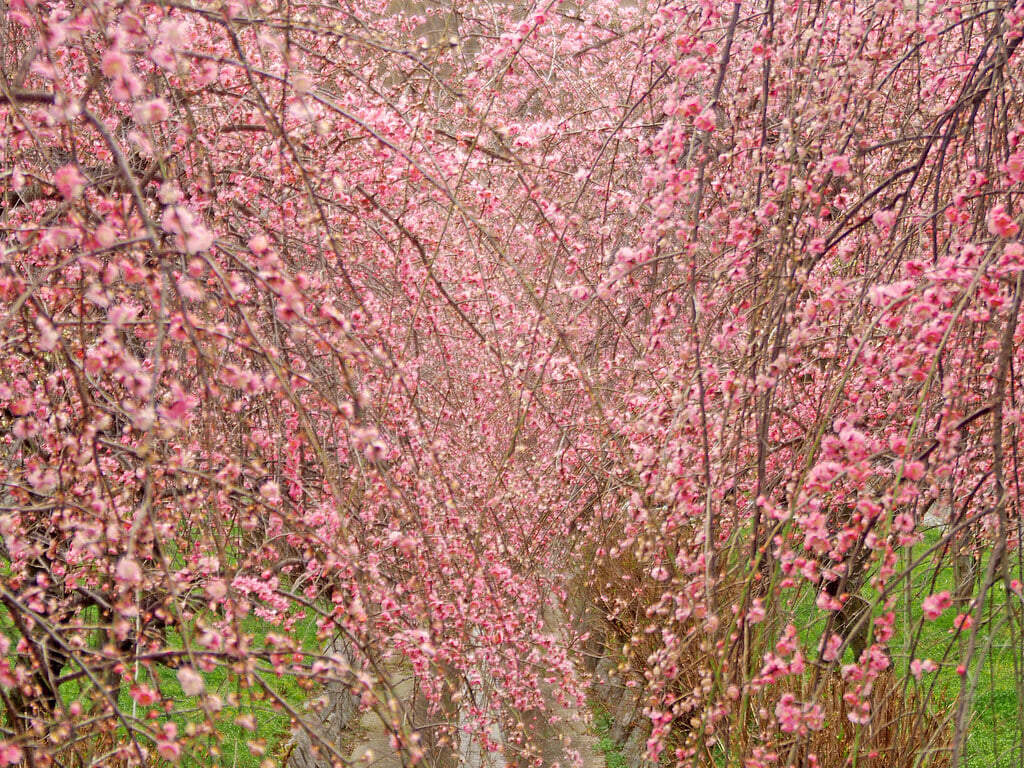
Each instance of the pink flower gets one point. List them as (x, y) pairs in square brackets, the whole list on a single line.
[(659, 573), (217, 589), (860, 714), (198, 239), (838, 165), (787, 713), (126, 88), (884, 220), (795, 717), (191, 681), (1001, 223), (690, 107), (832, 646), (756, 613), (10, 754), (689, 66), (128, 571), (114, 64), (154, 111), (375, 450), (271, 491), (169, 750), (934, 605), (789, 642), (144, 695), (963, 621), (917, 667), (70, 181), (1013, 256), (177, 220), (1014, 167), (706, 121), (913, 470), (163, 57), (826, 602)]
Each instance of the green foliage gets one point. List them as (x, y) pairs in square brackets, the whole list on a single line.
[(613, 757)]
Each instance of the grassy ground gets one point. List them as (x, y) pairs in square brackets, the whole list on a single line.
[(231, 743), (996, 716), (996, 669), (602, 725)]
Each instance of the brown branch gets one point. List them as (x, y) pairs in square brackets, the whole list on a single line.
[(14, 96)]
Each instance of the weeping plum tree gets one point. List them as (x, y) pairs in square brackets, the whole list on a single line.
[(341, 338)]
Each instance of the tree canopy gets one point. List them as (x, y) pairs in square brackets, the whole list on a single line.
[(341, 336)]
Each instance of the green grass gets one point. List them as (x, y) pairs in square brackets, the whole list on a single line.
[(227, 737), (994, 734), (613, 757), (997, 721)]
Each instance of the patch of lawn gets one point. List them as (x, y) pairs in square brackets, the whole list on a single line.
[(613, 757)]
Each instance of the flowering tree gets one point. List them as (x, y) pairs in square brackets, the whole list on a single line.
[(341, 338)]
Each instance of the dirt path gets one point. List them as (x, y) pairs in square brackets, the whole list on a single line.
[(554, 737)]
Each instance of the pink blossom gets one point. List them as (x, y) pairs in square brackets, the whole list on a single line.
[(192, 683), (917, 667), (154, 111), (839, 165), (48, 335), (884, 219), (177, 219), (1001, 223), (795, 717), (271, 491), (375, 450), (832, 646), (144, 695), (217, 589), (1014, 167), (198, 239), (690, 107), (756, 614), (963, 621), (128, 571), (789, 642), (163, 57), (659, 573), (876, 657), (860, 713), (10, 754), (934, 605), (114, 63), (169, 750), (70, 181), (126, 88), (913, 470), (706, 120), (1013, 257), (787, 713), (179, 405), (826, 602)]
